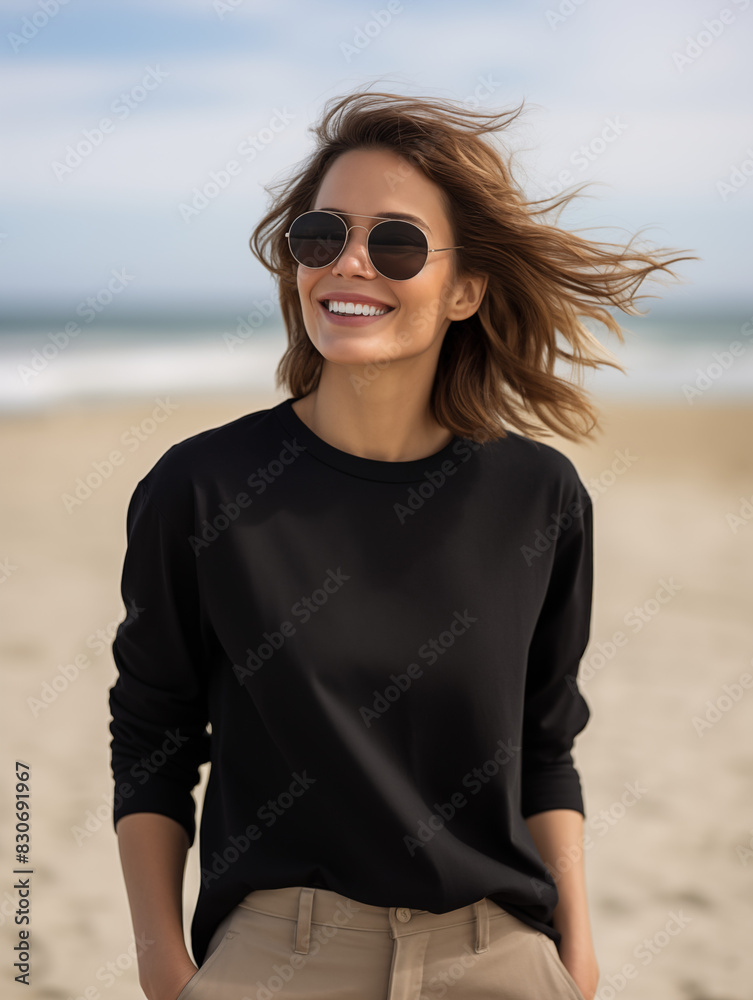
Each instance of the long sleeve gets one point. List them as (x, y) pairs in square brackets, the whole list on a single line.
[(159, 700), (555, 710)]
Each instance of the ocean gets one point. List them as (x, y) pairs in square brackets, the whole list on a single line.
[(686, 359)]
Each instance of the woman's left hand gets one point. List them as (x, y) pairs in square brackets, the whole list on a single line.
[(580, 962)]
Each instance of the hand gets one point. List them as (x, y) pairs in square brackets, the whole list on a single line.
[(167, 981), (580, 961)]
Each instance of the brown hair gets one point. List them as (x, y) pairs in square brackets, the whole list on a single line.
[(498, 364)]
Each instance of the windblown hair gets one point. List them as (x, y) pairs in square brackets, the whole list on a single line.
[(497, 366)]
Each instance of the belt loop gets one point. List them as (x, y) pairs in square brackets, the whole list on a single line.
[(482, 925), (303, 923)]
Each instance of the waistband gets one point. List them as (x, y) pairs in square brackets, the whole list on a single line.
[(307, 905)]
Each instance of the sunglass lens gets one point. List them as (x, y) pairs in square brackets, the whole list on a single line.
[(316, 238), (398, 249)]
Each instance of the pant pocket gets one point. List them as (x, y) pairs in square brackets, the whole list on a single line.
[(206, 966), (550, 949)]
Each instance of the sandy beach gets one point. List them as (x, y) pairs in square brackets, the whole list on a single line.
[(665, 759)]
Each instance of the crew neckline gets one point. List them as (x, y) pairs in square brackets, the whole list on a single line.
[(356, 465)]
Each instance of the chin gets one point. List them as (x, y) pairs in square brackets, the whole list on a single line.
[(345, 353)]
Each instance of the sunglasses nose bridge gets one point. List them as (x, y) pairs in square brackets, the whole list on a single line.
[(364, 247), (348, 232)]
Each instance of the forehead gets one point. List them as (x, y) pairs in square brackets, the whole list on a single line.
[(380, 181)]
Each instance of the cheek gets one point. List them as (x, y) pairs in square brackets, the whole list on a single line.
[(426, 303), (305, 284)]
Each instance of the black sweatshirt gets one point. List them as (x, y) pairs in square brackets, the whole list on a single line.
[(378, 658)]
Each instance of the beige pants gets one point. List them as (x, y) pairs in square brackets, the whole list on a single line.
[(315, 944)]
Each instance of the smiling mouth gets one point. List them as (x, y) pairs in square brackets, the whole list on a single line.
[(354, 308)]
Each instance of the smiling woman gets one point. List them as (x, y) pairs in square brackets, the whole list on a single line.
[(383, 623), (425, 161)]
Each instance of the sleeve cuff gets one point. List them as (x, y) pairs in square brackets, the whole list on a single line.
[(558, 788), (157, 795)]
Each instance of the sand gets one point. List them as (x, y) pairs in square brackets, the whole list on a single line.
[(665, 759)]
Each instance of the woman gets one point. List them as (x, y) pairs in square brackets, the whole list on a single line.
[(376, 595)]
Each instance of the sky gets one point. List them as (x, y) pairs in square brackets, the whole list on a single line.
[(646, 99)]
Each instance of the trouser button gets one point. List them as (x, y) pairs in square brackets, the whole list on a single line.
[(402, 914)]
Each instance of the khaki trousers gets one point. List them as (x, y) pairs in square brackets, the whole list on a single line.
[(299, 943)]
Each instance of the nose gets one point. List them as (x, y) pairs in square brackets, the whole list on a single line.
[(354, 259)]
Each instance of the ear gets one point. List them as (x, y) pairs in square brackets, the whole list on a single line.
[(468, 294)]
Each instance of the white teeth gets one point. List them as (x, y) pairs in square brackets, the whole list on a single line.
[(354, 308)]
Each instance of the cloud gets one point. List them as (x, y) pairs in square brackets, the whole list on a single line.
[(225, 79)]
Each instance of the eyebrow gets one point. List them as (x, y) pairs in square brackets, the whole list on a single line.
[(384, 215)]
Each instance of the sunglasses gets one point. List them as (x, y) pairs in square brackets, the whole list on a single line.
[(397, 250)]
